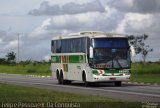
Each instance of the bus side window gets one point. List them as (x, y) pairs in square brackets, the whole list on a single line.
[(73, 44), (58, 46), (53, 46)]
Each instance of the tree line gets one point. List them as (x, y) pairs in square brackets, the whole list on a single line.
[(10, 58)]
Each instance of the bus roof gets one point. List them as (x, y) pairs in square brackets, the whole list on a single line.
[(90, 34)]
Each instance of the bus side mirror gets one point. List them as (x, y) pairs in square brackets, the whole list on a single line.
[(133, 53), (91, 52)]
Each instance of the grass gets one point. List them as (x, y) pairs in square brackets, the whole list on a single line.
[(146, 78), (148, 68), (147, 73), (13, 93), (34, 69)]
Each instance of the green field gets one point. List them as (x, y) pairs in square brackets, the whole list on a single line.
[(147, 73), (13, 93), (148, 68), (146, 78), (34, 69)]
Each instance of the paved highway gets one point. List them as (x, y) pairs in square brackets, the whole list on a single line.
[(127, 92)]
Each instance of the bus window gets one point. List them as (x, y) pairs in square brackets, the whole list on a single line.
[(58, 46), (53, 46)]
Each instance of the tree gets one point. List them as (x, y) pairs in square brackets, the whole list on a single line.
[(2, 61), (11, 57), (138, 42)]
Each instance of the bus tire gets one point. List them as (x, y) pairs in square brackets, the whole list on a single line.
[(86, 83), (118, 83), (58, 76), (61, 78)]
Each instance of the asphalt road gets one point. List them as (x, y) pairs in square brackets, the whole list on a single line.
[(127, 92)]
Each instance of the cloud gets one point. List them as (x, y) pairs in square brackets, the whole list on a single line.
[(136, 6), (121, 5), (2, 33), (68, 8), (1, 41), (5, 36), (138, 24), (147, 6), (79, 22), (13, 44), (135, 23)]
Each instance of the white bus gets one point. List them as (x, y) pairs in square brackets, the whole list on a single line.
[(91, 57)]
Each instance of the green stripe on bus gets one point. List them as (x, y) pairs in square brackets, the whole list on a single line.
[(76, 59), (72, 59), (95, 71), (111, 71), (66, 67), (65, 59), (55, 59)]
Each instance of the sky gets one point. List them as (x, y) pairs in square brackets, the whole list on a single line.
[(38, 21)]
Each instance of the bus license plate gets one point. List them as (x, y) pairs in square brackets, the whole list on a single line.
[(112, 78)]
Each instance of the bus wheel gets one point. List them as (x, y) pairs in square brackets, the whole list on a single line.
[(119, 83), (61, 79), (58, 77), (84, 80)]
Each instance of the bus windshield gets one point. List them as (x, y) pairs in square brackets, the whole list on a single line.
[(111, 53)]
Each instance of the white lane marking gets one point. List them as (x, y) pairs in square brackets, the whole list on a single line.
[(26, 77), (93, 89), (38, 76)]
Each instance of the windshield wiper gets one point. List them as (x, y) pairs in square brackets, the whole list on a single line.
[(118, 63)]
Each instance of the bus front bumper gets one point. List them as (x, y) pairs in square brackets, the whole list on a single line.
[(98, 78)]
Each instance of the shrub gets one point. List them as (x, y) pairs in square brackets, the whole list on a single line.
[(31, 70)]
